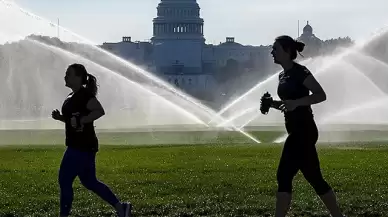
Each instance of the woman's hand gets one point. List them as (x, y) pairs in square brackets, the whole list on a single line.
[(56, 115), (289, 105)]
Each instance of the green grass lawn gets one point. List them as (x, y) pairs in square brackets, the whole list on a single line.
[(224, 177)]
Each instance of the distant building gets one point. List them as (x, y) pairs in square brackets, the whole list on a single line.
[(137, 52), (178, 53), (313, 43)]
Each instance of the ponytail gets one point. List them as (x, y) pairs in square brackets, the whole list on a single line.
[(290, 45), (88, 80), (91, 84)]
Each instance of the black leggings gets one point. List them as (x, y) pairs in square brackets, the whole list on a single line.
[(299, 153)]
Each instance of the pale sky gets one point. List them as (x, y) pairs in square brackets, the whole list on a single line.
[(253, 22)]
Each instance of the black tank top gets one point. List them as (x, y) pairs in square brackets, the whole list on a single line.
[(291, 88), (76, 105)]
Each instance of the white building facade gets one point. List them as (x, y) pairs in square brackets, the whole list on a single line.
[(178, 52)]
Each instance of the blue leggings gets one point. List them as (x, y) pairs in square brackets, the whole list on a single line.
[(82, 164)]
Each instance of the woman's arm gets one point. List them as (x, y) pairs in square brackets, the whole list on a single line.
[(276, 104), (96, 109), (318, 94)]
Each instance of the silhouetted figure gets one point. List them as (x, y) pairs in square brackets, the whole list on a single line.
[(79, 111), (299, 152)]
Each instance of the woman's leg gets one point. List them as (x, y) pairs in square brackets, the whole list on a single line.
[(288, 168), (312, 172), (88, 179), (67, 174)]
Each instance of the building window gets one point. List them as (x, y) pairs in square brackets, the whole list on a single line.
[(190, 81)]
